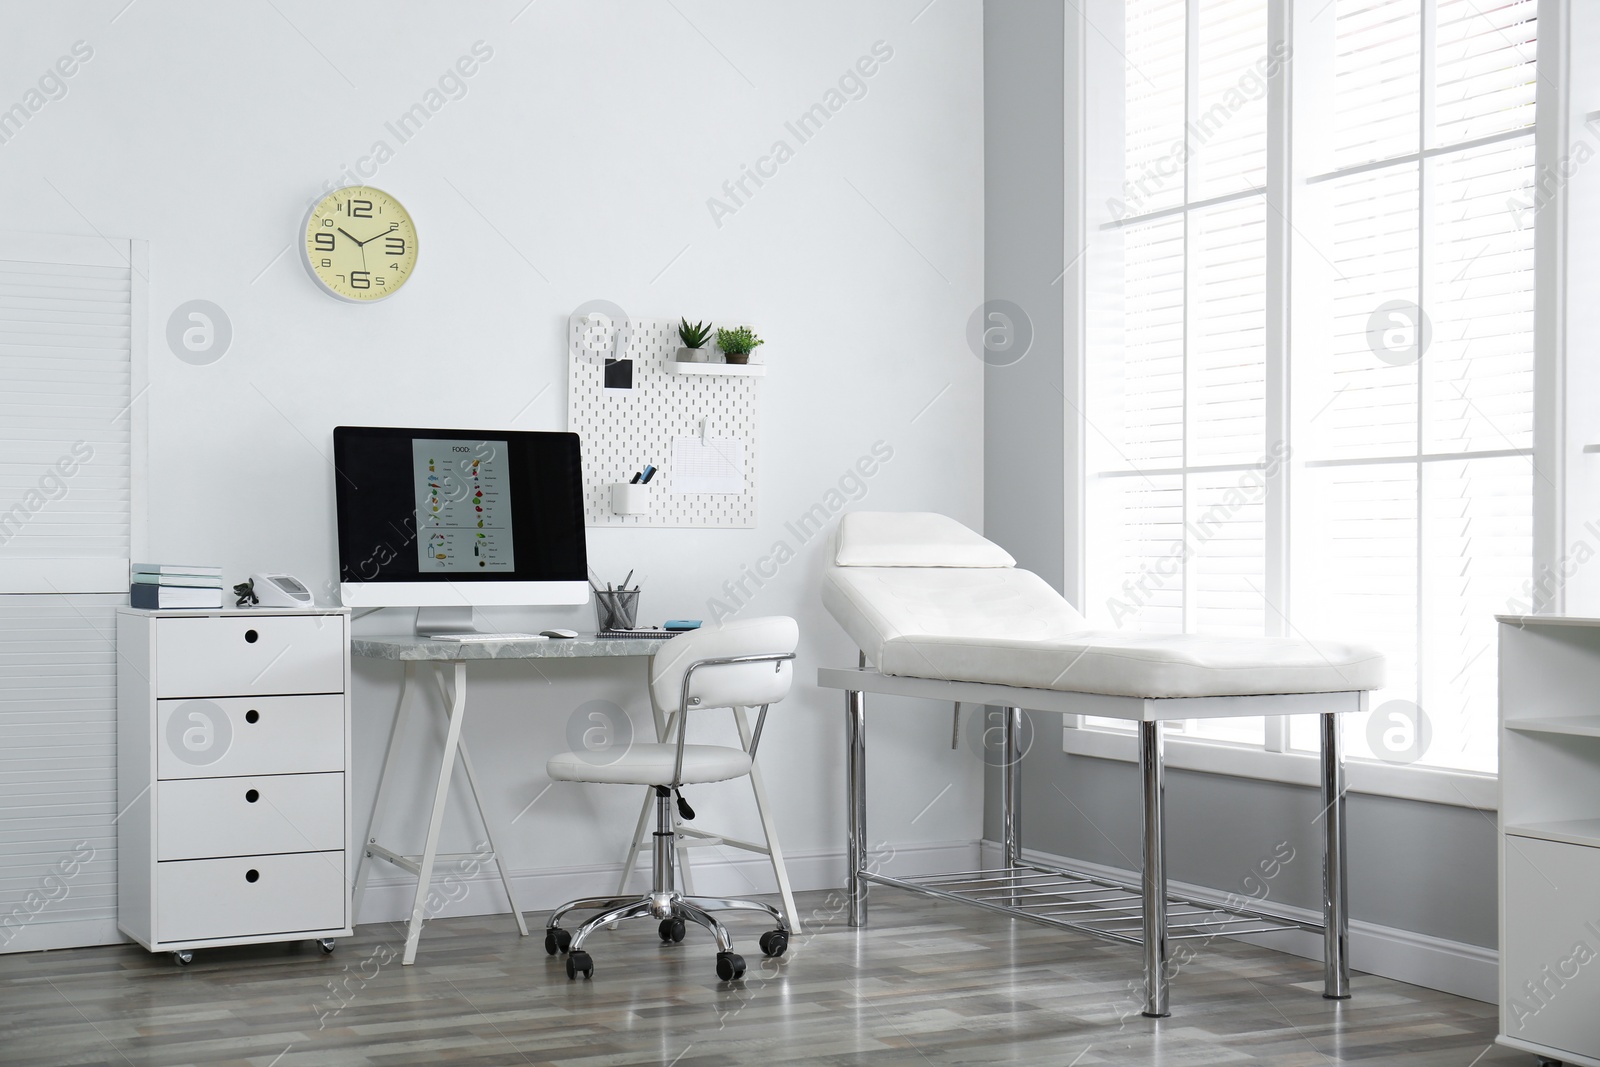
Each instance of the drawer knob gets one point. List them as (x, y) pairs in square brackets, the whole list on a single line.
[(251, 637), (251, 796), (252, 716), (252, 875)]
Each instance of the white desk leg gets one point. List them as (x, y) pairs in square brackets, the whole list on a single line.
[(774, 852), (631, 860), (390, 750), (685, 873), (441, 792), (489, 825)]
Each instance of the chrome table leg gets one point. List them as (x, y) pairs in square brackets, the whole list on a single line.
[(1155, 870), (856, 800), (1335, 896)]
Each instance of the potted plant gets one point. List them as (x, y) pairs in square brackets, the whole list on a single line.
[(737, 343), (694, 337)]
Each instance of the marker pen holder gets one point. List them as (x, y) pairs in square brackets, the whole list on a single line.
[(630, 499)]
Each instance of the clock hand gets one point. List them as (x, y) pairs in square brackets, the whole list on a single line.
[(348, 234)]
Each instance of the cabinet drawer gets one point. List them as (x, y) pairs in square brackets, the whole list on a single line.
[(252, 815), (200, 899), (251, 654), (1550, 937), (249, 735)]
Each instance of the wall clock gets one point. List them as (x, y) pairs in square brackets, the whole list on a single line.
[(360, 244)]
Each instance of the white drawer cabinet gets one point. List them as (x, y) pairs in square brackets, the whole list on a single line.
[(233, 753)]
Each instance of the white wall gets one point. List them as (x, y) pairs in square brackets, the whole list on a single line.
[(577, 165)]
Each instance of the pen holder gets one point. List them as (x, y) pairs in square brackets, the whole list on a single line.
[(616, 609), (629, 499)]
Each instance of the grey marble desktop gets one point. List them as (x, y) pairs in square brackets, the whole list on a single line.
[(409, 647)]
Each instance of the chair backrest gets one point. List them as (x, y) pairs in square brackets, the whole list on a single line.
[(731, 684)]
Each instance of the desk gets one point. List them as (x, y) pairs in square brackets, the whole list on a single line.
[(442, 658), (1144, 914)]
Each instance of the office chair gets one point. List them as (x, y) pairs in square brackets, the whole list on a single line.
[(745, 663)]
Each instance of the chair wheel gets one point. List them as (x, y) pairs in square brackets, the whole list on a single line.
[(557, 940), (730, 966), (774, 942), (183, 957), (671, 930), (579, 961), (326, 944)]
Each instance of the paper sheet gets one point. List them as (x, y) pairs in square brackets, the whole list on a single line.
[(714, 467)]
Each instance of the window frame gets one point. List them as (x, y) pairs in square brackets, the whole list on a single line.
[(1094, 38)]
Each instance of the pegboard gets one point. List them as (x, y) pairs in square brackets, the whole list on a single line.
[(622, 430)]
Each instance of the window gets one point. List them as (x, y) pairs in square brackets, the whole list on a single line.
[(1309, 380)]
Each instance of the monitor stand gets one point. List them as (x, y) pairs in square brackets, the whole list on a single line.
[(455, 619)]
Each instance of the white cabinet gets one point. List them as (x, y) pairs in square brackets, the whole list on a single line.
[(233, 783), (1550, 837)]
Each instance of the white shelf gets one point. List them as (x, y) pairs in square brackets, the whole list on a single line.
[(1548, 620), (1569, 831), (731, 370), (1572, 726)]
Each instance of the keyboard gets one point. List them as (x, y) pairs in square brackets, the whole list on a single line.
[(637, 635), (480, 638)]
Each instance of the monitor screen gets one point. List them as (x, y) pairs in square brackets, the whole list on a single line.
[(457, 507)]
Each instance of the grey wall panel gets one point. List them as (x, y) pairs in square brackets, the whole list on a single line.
[(1023, 179)]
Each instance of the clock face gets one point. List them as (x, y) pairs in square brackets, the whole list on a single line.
[(360, 244)]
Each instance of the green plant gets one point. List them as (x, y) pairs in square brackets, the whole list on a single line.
[(739, 341), (694, 336)]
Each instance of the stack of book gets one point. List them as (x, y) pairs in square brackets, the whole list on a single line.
[(175, 585)]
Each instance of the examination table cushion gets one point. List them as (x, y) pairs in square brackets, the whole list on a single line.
[(1009, 627)]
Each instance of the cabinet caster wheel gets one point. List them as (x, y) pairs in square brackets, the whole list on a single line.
[(557, 940), (774, 943), (183, 957), (580, 963), (671, 930), (730, 966), (326, 944), (1545, 1061)]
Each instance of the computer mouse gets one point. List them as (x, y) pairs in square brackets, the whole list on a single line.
[(559, 632)]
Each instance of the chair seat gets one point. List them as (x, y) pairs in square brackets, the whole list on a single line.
[(651, 764)]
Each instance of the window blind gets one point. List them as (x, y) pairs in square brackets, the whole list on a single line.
[(1410, 482)]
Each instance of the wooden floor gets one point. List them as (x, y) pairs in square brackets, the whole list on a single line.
[(928, 983)]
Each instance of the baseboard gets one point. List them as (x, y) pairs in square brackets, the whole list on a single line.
[(71, 933), (1432, 962), (714, 871)]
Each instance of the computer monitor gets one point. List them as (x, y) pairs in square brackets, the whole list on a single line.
[(449, 520)]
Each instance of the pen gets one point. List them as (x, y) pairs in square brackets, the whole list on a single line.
[(636, 477), (649, 472), (626, 580)]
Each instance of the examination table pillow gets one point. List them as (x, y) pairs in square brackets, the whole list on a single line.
[(912, 539)]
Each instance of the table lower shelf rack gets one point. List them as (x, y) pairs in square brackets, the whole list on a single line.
[(1097, 906)]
